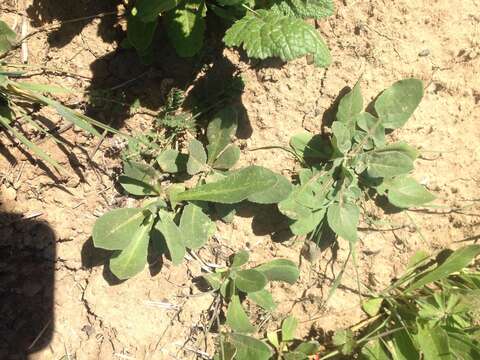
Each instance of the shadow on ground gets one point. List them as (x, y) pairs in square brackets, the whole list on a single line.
[(27, 264)]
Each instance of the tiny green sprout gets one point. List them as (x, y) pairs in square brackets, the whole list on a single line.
[(355, 163), (176, 216)]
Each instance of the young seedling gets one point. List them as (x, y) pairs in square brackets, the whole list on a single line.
[(235, 283), (279, 23), (342, 171), (430, 312), (173, 215)]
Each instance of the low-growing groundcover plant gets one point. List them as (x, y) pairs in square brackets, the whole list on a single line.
[(17, 97), (430, 312), (264, 28), (354, 164), (174, 217)]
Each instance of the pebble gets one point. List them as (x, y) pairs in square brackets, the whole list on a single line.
[(424, 52)]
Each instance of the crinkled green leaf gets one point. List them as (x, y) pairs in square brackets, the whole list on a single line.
[(116, 229), (249, 348), (343, 219), (315, 9), (133, 258), (280, 270), (263, 298), (173, 236), (171, 161), (269, 34), (197, 157), (236, 187), (195, 226), (237, 319), (7, 38), (405, 192), (345, 340), (228, 158), (397, 103), (186, 28), (250, 280), (220, 132)]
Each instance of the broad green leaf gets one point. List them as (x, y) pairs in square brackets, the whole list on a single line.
[(397, 103), (308, 348), (308, 9), (236, 187), (227, 158), (433, 343), (7, 38), (405, 192), (295, 355), (374, 350), (214, 279), (227, 289), (402, 147), (341, 137), (372, 306), (195, 226), (280, 270), (139, 179), (220, 132), (372, 126), (277, 192), (250, 280), (148, 10), (140, 34), (237, 319), (249, 348), (289, 327), (197, 158), (263, 298), (267, 34), (311, 147), (240, 258), (186, 28), (462, 346), (132, 260), (307, 224), (403, 346), (116, 229), (345, 340), (172, 192), (458, 260), (350, 106), (343, 219), (272, 336), (226, 212), (388, 163), (173, 236), (171, 161)]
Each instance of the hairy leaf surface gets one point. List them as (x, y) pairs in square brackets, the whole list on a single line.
[(315, 9), (195, 226), (237, 319), (343, 219), (405, 192)]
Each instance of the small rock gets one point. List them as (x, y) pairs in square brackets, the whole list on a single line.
[(424, 52)]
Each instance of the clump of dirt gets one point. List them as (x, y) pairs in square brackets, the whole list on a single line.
[(162, 314)]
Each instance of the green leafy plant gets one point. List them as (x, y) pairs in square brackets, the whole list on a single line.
[(355, 163), (16, 97), (430, 312), (271, 28), (174, 216)]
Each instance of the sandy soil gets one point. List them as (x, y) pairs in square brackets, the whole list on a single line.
[(436, 41)]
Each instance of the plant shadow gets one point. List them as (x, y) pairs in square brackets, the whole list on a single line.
[(27, 272)]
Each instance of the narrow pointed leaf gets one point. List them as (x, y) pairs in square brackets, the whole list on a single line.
[(350, 106), (220, 132), (197, 158), (173, 237), (237, 319), (280, 270), (7, 38), (289, 327)]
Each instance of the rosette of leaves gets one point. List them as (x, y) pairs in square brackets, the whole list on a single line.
[(235, 283), (341, 170), (17, 98), (176, 217), (272, 28), (430, 312)]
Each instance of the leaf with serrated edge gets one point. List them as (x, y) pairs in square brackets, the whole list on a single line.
[(405, 192), (115, 229), (220, 132), (343, 219), (195, 226), (308, 9), (197, 157), (237, 319), (269, 34), (133, 258), (397, 103), (280, 270), (173, 236), (236, 187)]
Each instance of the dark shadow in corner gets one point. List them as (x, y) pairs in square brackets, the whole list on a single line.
[(27, 268)]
